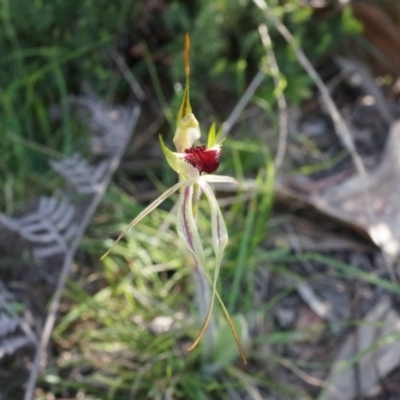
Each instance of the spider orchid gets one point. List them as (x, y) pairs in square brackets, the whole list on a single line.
[(194, 166)]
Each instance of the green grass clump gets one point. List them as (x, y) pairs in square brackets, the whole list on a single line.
[(107, 328), (49, 49)]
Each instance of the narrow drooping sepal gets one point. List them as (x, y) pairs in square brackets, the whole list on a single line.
[(187, 230), (186, 225), (220, 240), (219, 231), (146, 211)]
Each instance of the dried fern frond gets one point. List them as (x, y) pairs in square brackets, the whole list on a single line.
[(12, 333), (9, 321), (49, 229), (107, 123), (77, 171), (10, 345)]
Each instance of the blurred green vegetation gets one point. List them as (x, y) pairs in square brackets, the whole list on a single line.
[(49, 49)]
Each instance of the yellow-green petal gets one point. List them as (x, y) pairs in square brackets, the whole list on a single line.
[(213, 136)]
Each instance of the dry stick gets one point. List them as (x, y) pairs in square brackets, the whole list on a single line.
[(127, 73), (237, 111), (282, 105), (39, 361), (247, 382), (357, 347), (311, 380), (254, 84), (341, 128)]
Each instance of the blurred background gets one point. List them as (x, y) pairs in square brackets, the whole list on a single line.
[(310, 273)]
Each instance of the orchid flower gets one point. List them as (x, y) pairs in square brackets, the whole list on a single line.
[(194, 166)]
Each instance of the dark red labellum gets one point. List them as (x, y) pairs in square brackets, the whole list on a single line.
[(205, 160)]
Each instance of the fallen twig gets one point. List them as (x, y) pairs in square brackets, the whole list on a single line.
[(282, 105)]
